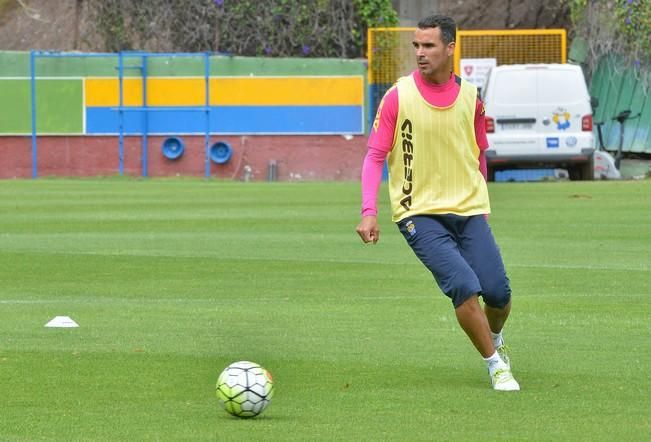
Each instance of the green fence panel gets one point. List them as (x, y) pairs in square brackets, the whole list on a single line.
[(620, 89)]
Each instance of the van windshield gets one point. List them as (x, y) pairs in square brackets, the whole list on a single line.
[(554, 86)]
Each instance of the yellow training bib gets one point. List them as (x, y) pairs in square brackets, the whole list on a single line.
[(434, 163)]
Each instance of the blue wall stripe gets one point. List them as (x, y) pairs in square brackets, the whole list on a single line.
[(232, 120)]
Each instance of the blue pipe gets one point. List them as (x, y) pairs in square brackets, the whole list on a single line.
[(161, 54), (55, 54), (206, 61), (32, 72), (161, 109), (145, 123), (121, 113)]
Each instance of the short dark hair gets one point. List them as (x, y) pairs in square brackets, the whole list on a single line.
[(446, 24)]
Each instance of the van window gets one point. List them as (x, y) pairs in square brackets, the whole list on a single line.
[(515, 87), (560, 86), (555, 86)]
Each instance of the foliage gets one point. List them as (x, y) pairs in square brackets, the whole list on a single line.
[(634, 23), (621, 27), (314, 28)]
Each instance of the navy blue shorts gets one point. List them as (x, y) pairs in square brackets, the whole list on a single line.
[(461, 253)]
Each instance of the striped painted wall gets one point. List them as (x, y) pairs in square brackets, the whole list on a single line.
[(246, 96)]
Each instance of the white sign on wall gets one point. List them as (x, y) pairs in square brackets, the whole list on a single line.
[(475, 70)]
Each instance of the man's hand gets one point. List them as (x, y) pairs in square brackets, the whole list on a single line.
[(368, 229)]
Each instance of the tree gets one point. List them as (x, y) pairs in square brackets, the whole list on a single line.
[(613, 27)]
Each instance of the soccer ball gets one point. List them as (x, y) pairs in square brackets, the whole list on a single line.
[(244, 389)]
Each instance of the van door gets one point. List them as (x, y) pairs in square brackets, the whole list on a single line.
[(562, 99), (513, 102)]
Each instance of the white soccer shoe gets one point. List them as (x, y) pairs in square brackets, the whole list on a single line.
[(503, 351), (503, 380)]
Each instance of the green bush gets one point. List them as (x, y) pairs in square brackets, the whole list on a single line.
[(276, 28)]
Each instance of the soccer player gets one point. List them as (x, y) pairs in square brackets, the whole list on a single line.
[(431, 126)]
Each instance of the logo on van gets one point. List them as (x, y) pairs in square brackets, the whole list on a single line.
[(562, 118), (553, 142), (571, 141)]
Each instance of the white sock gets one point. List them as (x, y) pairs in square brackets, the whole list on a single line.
[(494, 362), (497, 339)]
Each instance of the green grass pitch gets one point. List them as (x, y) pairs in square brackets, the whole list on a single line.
[(171, 280)]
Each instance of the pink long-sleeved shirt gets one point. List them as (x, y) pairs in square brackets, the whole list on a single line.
[(380, 141)]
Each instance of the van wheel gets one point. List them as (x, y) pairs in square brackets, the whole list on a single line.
[(582, 172), (587, 171), (575, 173)]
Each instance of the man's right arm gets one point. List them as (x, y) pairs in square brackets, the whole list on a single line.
[(379, 145), (371, 179)]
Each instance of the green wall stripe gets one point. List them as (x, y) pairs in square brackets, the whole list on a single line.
[(59, 106), (16, 64)]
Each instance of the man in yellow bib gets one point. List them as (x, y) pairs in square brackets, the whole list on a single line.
[(431, 127)]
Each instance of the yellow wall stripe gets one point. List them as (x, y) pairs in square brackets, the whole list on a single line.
[(287, 91), (238, 91), (106, 92), (176, 92)]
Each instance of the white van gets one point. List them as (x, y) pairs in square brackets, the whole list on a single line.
[(539, 116)]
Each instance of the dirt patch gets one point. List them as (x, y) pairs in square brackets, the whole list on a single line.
[(43, 24), (5, 8), (507, 14)]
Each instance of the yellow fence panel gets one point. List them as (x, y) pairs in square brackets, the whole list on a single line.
[(513, 47), (390, 54)]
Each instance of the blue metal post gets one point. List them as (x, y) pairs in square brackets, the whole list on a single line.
[(206, 62), (145, 125), (32, 72), (121, 112)]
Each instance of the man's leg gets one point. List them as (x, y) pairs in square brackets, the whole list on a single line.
[(496, 319), (433, 242), (480, 250), (474, 322), (497, 316), (432, 238)]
